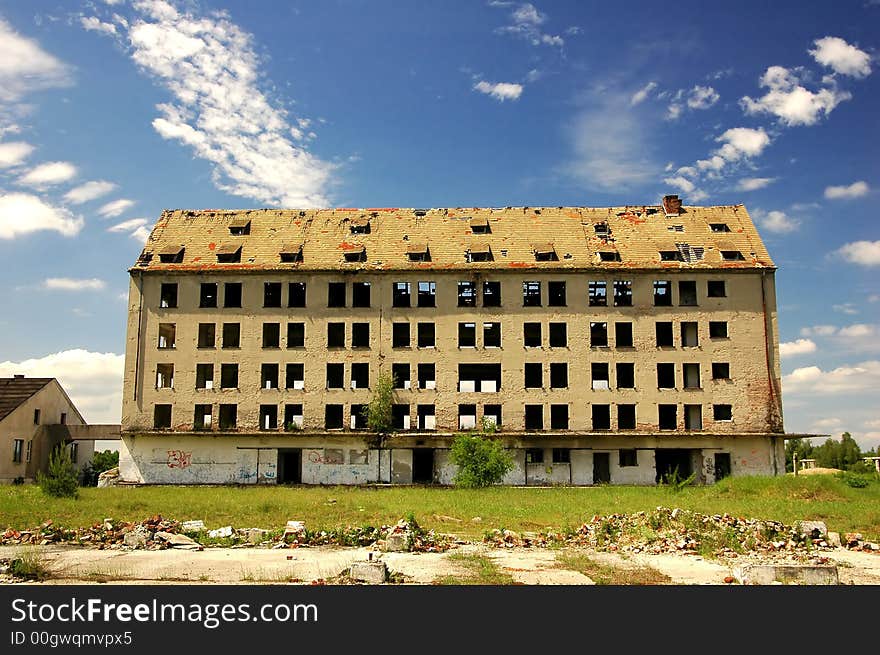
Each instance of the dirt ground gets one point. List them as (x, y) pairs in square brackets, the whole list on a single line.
[(532, 566)]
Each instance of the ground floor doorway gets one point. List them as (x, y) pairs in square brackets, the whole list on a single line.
[(423, 466), (289, 466), (673, 462), (601, 468)]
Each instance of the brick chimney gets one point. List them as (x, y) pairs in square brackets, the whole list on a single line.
[(671, 205)]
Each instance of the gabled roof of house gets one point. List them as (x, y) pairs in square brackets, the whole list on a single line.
[(15, 391), (575, 234)]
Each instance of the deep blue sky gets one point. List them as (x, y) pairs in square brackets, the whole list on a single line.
[(440, 104)]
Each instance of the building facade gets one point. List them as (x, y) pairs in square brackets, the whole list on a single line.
[(611, 345)]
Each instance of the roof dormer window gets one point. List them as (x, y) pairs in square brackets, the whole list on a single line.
[(545, 252), (240, 226), (171, 254), (356, 254), (732, 255), (719, 227), (360, 225), (418, 252), (291, 253), (479, 252), (602, 230), (608, 256), (229, 253), (670, 256), (480, 226), (690, 253)]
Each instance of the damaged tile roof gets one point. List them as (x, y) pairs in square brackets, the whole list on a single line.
[(511, 237), (14, 391)]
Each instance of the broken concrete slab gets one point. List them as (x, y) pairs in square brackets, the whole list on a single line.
[(766, 574), (221, 533), (813, 529), (193, 526), (137, 538), (372, 572), (257, 535), (177, 540), (396, 542)]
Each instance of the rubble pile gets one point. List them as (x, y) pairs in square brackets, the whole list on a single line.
[(106, 534)]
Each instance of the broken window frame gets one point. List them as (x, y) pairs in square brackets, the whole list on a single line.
[(427, 294), (168, 295), (662, 293), (208, 295), (401, 294), (491, 293), (623, 293), (598, 293), (467, 293), (531, 293), (360, 294)]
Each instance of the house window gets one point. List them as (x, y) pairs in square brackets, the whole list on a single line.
[(623, 335), (601, 416), (626, 377), (556, 294), (480, 226), (689, 335), (63, 418), (719, 227), (229, 376), (227, 417), (360, 375), (291, 253), (272, 294), (666, 376), (627, 457), (467, 294), (296, 335), (37, 413), (168, 295), (204, 376), (467, 417), (545, 252), (598, 335), (206, 337), (667, 417), (232, 294), (467, 335), (599, 375), (558, 375), (492, 415), (720, 371), (663, 332), (732, 255), (662, 293), (167, 333), (626, 417), (162, 417), (164, 377), (722, 412), (670, 256), (336, 335), (716, 289), (558, 335), (400, 417), (17, 448), (534, 455), (360, 335), (693, 417), (427, 294), (687, 293), (400, 335), (268, 417), (598, 294), (333, 417), (360, 294), (491, 294), (208, 294), (718, 329), (269, 376), (427, 374), (559, 417), (608, 256), (531, 294), (295, 376), (400, 373), (336, 294), (231, 335), (271, 335), (534, 417), (357, 254), (335, 376), (425, 335), (479, 252), (534, 376), (623, 294), (532, 335), (29, 451), (359, 417), (240, 226), (491, 335), (296, 294), (400, 294), (293, 416)]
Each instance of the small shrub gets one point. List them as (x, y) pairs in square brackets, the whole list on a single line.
[(61, 479), (675, 482), (481, 461), (18, 481), (853, 480), (378, 413), (29, 565)]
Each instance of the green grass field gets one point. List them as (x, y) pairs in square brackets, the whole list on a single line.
[(787, 499)]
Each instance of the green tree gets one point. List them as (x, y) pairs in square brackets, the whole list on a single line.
[(850, 453), (481, 460), (378, 413), (101, 461), (60, 478), (801, 447)]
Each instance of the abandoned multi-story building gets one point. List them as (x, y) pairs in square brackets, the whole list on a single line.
[(607, 345)]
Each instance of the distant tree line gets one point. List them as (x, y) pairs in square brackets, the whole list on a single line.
[(844, 454)]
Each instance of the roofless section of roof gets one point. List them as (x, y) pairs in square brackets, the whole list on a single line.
[(633, 237)]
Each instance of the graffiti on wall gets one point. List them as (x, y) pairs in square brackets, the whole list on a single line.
[(179, 459)]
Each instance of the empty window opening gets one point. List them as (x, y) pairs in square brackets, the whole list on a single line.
[(359, 225), (161, 420), (360, 294), (722, 466), (716, 289), (532, 335), (272, 294), (492, 415), (467, 417), (545, 252), (667, 417), (663, 332), (602, 230), (599, 376), (626, 417), (534, 455), (598, 294), (556, 294), (227, 417), (558, 375), (427, 417), (168, 295), (690, 253), (63, 418), (627, 457), (271, 335), (358, 417), (418, 252), (558, 335), (483, 378), (598, 334), (467, 335), (608, 256), (164, 378), (693, 417), (689, 334), (479, 252), (718, 329), (400, 294), (291, 253), (356, 254), (427, 375), (333, 456), (491, 335), (269, 376), (400, 417), (202, 417), (623, 335), (534, 375), (295, 376), (293, 416), (268, 417), (208, 294), (296, 335), (204, 376), (534, 417), (360, 375), (687, 293), (400, 335), (400, 373), (491, 294), (722, 412), (240, 226), (296, 294), (336, 335), (662, 293), (229, 254), (666, 376), (229, 376), (670, 256), (171, 255), (531, 294), (720, 371), (231, 335), (206, 338), (626, 376), (427, 294), (732, 255), (623, 294), (333, 419), (601, 415), (426, 335), (360, 335), (232, 294), (335, 376), (167, 333), (480, 226), (336, 294), (719, 227)]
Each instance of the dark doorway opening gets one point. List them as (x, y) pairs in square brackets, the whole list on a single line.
[(423, 465), (290, 466), (601, 468), (673, 461), (722, 466)]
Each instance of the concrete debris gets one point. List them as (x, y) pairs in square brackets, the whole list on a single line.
[(293, 528), (193, 526), (109, 478), (137, 538), (256, 536), (766, 574), (372, 572), (221, 533), (833, 539), (178, 541), (813, 529)]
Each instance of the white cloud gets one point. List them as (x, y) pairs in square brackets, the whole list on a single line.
[(742, 142), (219, 110), (854, 190), (790, 102), (129, 225), (797, 347), (54, 172), (71, 284), (92, 380), (525, 24), (776, 221), (141, 234), (642, 94), (863, 253), (88, 191), (94, 24), (25, 66), (115, 208), (702, 97), (500, 90), (858, 330), (22, 213), (528, 14), (843, 58), (819, 331), (846, 308), (812, 380), (14, 153), (680, 183), (754, 183)]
